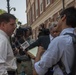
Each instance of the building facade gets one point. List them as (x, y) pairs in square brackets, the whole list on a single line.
[(44, 11)]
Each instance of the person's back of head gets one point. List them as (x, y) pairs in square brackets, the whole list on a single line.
[(27, 32), (43, 32), (19, 33), (70, 14)]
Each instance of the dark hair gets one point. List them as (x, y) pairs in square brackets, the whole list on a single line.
[(28, 29), (5, 17), (43, 32), (19, 32), (41, 26), (22, 31), (70, 16)]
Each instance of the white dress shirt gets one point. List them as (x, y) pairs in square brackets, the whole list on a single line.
[(51, 37), (60, 47), (7, 59)]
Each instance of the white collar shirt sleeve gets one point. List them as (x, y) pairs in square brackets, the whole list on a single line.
[(3, 55), (60, 48)]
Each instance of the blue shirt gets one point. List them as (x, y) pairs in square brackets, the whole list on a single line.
[(60, 48)]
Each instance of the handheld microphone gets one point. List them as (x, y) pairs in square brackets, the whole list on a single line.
[(24, 44)]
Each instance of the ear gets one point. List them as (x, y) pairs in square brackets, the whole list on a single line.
[(2, 24), (63, 18)]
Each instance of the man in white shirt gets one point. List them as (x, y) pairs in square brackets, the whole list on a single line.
[(60, 48), (7, 59)]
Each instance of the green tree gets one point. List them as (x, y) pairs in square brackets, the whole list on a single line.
[(18, 22), (2, 11)]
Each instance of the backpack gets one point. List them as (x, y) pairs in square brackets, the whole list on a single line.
[(73, 69)]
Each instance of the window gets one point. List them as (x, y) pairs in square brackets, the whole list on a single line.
[(41, 6), (36, 6), (33, 14), (47, 2)]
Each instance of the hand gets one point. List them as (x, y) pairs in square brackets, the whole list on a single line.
[(34, 72), (40, 50), (39, 53)]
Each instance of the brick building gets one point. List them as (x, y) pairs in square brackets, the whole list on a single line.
[(44, 11)]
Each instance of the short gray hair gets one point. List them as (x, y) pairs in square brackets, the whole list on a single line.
[(52, 25)]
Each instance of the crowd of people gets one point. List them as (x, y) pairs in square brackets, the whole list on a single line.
[(21, 41), (55, 46)]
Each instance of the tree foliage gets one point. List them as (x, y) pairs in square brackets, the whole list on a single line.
[(2, 11), (18, 22)]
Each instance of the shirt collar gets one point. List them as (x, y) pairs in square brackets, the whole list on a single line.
[(51, 37), (67, 30), (3, 33)]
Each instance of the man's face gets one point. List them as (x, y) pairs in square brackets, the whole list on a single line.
[(54, 31), (59, 24), (10, 27)]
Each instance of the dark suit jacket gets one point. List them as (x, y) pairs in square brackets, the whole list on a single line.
[(41, 41)]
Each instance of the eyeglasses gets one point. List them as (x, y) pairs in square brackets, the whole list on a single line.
[(57, 19), (53, 24)]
